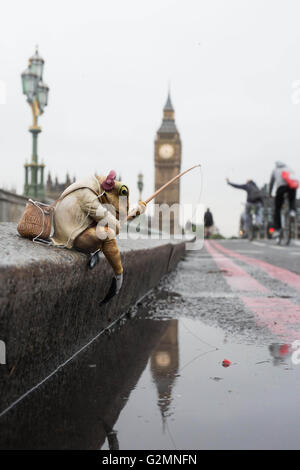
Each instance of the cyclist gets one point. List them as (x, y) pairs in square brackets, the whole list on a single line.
[(254, 199), (282, 176)]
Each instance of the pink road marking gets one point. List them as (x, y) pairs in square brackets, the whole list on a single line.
[(281, 274), (236, 277), (276, 314), (280, 316)]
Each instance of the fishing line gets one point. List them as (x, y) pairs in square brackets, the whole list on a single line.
[(201, 190), (170, 434), (198, 337), (58, 368), (200, 196), (195, 358), (35, 387)]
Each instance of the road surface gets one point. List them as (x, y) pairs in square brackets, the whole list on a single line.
[(265, 278)]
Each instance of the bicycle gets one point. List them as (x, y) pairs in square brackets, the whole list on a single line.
[(253, 228), (287, 231)]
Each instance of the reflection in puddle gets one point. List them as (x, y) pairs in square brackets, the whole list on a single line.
[(164, 365), (280, 352), (79, 406)]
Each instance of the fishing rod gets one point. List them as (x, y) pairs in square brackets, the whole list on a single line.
[(133, 214), (113, 287)]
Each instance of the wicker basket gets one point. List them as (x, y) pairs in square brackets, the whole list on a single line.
[(36, 221)]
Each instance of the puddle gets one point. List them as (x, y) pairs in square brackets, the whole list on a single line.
[(185, 399)]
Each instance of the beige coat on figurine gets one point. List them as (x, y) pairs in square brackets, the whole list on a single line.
[(88, 217), (79, 210)]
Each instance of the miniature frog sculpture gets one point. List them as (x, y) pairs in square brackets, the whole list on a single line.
[(88, 217)]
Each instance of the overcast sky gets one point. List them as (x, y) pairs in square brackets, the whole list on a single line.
[(232, 66)]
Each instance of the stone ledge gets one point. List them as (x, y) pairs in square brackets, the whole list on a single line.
[(49, 301)]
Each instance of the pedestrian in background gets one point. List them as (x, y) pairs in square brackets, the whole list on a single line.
[(208, 224)]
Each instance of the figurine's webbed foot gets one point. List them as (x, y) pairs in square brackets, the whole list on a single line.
[(93, 260), (114, 289)]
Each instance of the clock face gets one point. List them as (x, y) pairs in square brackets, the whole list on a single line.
[(166, 151)]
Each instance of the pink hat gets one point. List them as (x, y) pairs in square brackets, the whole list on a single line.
[(109, 182)]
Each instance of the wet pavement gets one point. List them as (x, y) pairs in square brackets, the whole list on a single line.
[(156, 380)]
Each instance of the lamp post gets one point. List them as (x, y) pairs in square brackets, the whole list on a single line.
[(37, 97), (140, 184)]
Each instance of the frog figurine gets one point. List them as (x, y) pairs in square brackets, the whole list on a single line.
[(87, 218)]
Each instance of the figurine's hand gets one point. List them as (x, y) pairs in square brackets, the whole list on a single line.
[(227, 180), (139, 209), (142, 207)]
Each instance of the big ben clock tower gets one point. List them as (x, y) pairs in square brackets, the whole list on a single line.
[(167, 158)]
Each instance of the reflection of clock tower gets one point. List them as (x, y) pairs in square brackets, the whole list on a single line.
[(164, 366), (167, 158)]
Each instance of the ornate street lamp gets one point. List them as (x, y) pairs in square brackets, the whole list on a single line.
[(36, 93), (37, 64), (29, 84), (140, 184), (42, 95)]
